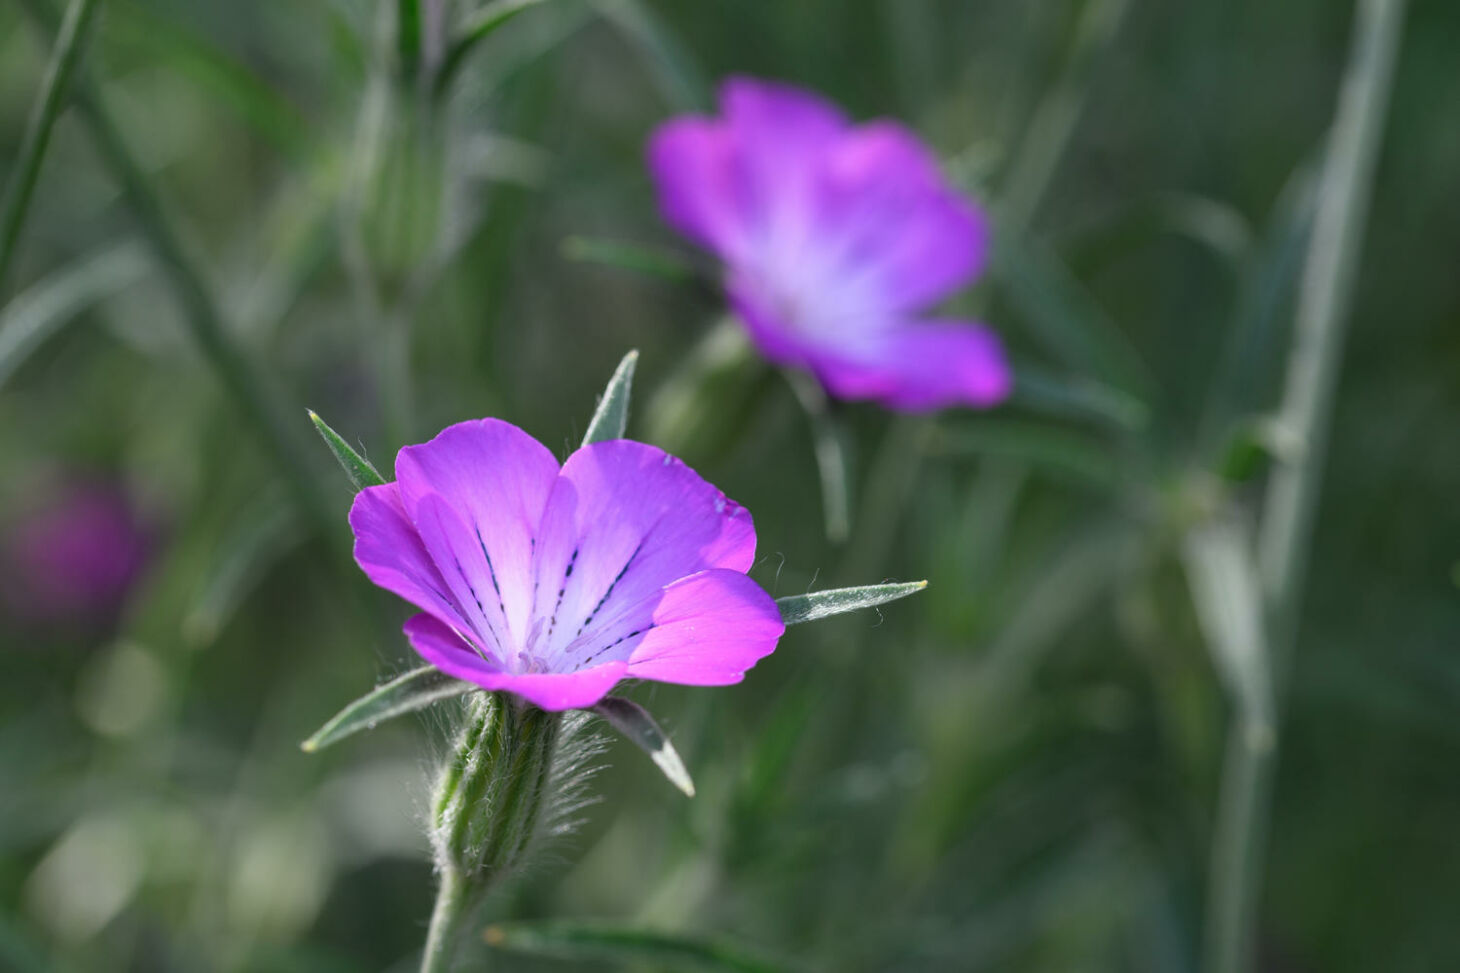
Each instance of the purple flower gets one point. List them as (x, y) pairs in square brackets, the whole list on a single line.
[(835, 238), (555, 583), (72, 562)]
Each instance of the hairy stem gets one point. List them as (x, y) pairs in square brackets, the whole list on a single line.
[(451, 907)]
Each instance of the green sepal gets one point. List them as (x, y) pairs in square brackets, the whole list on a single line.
[(635, 723), (822, 604), (409, 693), (356, 467), (611, 417)]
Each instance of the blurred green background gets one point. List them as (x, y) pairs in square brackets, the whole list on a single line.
[(1015, 770)]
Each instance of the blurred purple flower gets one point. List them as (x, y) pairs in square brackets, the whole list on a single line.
[(835, 239), (555, 583), (72, 561)]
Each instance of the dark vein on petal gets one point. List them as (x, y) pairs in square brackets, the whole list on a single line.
[(613, 584), (492, 570), (481, 609), (567, 573), (618, 641)]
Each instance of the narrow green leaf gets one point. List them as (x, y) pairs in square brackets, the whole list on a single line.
[(705, 405), (265, 532), (1062, 315), (1040, 444), (413, 691), (635, 723), (1041, 606), (356, 467), (601, 942), (483, 24), (252, 388), (1041, 390), (1031, 167), (1216, 227), (1252, 355), (44, 308), (680, 79), (1221, 568), (821, 604), (213, 71), (611, 417), (64, 57), (653, 261)]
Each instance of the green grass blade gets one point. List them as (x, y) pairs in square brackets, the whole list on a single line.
[(1041, 390), (1065, 319), (356, 467), (679, 77), (413, 691), (611, 417), (258, 399), (18, 189), (216, 72), (635, 723), (601, 942), (650, 261), (45, 307), (408, 36), (482, 25), (1048, 447), (1054, 120), (265, 533), (822, 604)]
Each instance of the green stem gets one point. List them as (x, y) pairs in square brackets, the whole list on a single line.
[(490, 799), (1237, 845), (64, 58), (1244, 809), (451, 907), (240, 377), (1322, 314)]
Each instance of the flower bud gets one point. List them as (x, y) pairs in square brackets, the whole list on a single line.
[(489, 797)]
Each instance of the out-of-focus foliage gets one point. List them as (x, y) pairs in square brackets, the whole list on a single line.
[(1014, 770)]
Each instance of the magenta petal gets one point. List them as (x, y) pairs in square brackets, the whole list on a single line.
[(693, 163), (391, 554), (462, 562), (780, 139), (843, 236), (625, 519), (777, 124), (893, 219), (707, 630), (924, 366), (447, 651), (497, 478)]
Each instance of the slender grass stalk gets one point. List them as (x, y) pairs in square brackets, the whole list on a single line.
[(257, 398), (70, 42), (1292, 499), (260, 403), (1323, 305), (1049, 131)]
